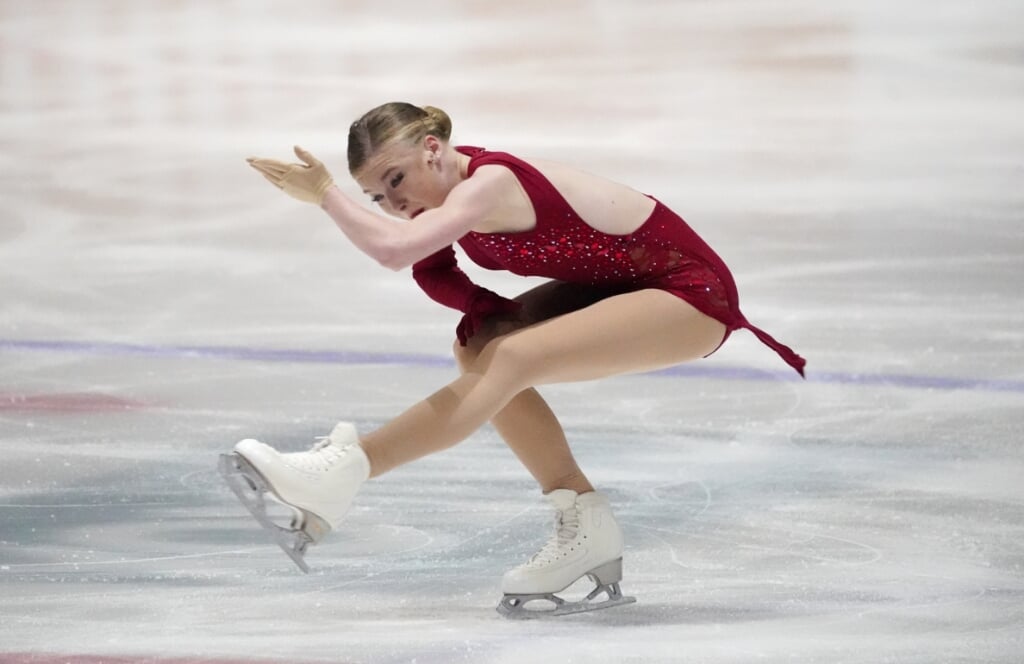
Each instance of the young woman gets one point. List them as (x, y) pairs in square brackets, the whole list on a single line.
[(633, 288)]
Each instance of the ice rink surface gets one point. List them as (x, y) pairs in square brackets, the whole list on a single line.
[(859, 165)]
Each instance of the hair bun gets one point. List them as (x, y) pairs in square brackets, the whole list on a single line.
[(438, 122)]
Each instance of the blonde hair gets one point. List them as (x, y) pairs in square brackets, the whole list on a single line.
[(392, 123)]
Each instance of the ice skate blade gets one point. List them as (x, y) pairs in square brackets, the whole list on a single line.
[(250, 488), (515, 607)]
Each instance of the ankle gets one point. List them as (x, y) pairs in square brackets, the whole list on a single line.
[(575, 481), (374, 458)]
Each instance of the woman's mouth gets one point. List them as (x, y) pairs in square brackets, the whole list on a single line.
[(417, 213)]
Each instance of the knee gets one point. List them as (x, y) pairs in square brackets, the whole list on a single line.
[(466, 356), (508, 357)]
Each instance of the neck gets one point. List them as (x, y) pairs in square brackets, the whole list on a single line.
[(462, 165)]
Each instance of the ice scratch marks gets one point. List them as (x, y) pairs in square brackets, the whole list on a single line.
[(657, 492), (812, 546), (737, 533), (859, 553), (491, 529), (126, 561)]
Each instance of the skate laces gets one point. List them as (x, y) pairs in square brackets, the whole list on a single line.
[(567, 527), (321, 456), (321, 443)]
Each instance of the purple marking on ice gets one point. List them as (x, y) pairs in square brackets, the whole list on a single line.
[(228, 353), (847, 378), (424, 360)]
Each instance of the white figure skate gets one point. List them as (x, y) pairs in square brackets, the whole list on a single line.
[(318, 486), (587, 542)]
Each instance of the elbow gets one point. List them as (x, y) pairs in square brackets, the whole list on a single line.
[(396, 250), (393, 258), (392, 264), (388, 249)]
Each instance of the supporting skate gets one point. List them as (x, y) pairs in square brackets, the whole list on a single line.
[(250, 487), (587, 542), (316, 487), (546, 605)]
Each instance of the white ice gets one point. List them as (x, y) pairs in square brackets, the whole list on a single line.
[(859, 165)]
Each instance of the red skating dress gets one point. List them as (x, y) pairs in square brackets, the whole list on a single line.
[(664, 252)]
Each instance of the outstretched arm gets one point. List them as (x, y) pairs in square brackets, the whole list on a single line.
[(393, 244)]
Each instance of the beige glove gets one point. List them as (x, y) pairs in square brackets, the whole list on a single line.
[(307, 182)]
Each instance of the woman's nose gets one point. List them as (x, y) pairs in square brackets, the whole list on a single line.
[(397, 203)]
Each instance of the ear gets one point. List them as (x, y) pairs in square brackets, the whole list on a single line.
[(433, 147)]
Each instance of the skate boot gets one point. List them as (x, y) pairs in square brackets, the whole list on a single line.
[(318, 486), (587, 542)]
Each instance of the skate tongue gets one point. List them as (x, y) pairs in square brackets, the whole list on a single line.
[(344, 434), (562, 499), (567, 521), (566, 525)]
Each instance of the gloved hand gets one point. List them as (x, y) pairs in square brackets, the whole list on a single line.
[(483, 306), (307, 182)]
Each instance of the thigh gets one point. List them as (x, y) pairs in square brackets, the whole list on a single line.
[(624, 333), (544, 302), (557, 298)]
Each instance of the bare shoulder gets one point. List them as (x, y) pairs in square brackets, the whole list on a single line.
[(499, 198), (608, 206)]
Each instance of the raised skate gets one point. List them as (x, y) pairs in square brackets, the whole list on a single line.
[(316, 486), (587, 543)]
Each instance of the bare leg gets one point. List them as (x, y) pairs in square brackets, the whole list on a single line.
[(527, 424), (533, 433), (631, 332)]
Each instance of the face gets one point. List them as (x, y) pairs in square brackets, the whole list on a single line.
[(405, 179)]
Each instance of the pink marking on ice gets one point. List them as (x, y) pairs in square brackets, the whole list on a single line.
[(68, 402), (40, 658)]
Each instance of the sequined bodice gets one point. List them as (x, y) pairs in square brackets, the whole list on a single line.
[(563, 246)]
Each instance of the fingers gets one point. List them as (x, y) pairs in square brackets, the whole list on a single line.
[(306, 181), (273, 180), (273, 171), (270, 165), (273, 165), (308, 158)]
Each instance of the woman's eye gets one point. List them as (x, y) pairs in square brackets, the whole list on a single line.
[(397, 180), (377, 199)]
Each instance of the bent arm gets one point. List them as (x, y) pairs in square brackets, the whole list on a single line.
[(397, 245), (373, 234), (440, 277)]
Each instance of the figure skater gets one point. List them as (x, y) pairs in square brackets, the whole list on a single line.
[(632, 288)]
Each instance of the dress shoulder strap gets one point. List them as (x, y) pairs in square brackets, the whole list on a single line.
[(546, 200)]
